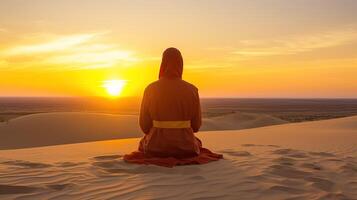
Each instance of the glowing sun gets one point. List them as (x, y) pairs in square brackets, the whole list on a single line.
[(114, 87)]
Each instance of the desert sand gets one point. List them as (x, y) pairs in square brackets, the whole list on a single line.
[(309, 160)]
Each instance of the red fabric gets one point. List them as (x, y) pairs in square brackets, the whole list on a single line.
[(139, 157)]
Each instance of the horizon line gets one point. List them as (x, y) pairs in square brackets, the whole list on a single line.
[(202, 97)]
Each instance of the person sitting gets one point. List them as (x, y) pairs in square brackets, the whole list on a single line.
[(170, 115)]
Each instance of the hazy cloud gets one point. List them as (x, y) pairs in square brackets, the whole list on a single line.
[(294, 45), (76, 51), (59, 44)]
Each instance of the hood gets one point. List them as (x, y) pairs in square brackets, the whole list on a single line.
[(171, 64)]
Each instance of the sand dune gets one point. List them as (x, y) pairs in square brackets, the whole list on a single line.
[(45, 129), (66, 127), (236, 121), (312, 160)]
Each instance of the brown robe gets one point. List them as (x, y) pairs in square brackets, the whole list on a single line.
[(170, 100)]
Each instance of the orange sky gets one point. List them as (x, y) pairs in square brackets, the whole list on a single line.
[(231, 48)]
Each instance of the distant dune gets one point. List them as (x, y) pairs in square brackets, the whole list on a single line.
[(45, 129), (65, 127), (236, 121), (309, 160)]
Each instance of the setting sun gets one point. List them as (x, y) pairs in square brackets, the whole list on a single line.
[(114, 87)]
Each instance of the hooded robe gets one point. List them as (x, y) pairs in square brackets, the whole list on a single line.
[(170, 114)]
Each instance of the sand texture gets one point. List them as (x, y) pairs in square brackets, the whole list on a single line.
[(310, 160)]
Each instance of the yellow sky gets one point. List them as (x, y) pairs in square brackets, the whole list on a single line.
[(231, 48)]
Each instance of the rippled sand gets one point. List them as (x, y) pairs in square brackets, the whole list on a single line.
[(312, 160)]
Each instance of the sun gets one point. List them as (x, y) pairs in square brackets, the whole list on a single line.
[(114, 87)]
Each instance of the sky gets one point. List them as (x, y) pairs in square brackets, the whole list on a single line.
[(231, 48)]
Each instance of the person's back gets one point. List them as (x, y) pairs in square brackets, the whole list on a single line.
[(170, 114), (170, 111), (167, 105)]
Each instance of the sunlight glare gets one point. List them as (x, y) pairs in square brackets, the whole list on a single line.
[(114, 87)]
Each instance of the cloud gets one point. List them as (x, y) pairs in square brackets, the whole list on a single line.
[(295, 45), (58, 44), (75, 51)]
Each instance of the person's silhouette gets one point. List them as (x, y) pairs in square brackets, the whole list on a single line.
[(170, 114)]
